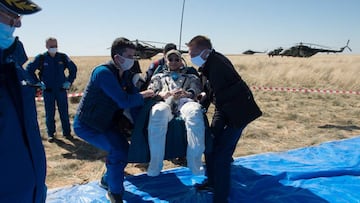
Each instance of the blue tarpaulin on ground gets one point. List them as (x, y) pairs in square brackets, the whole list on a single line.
[(329, 172)]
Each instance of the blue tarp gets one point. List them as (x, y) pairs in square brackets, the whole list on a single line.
[(329, 172)]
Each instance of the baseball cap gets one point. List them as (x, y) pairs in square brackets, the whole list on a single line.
[(173, 51), (169, 47), (20, 7)]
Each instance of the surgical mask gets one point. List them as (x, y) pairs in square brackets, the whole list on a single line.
[(6, 35), (52, 50), (128, 63), (198, 60)]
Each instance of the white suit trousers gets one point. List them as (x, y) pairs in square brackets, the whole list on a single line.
[(160, 116)]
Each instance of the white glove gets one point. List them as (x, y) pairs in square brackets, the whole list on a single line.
[(137, 80), (66, 85)]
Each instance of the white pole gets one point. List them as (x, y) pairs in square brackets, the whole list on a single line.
[(182, 16)]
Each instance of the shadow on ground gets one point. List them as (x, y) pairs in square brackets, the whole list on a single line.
[(79, 149)]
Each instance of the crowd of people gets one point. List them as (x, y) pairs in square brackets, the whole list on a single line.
[(115, 94)]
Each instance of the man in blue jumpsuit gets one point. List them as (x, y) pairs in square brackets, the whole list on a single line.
[(54, 83), (22, 156), (109, 92)]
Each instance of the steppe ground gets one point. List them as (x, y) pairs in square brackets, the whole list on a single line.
[(290, 120)]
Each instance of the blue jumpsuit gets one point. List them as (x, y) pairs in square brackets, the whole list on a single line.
[(105, 95), (53, 76), (22, 156)]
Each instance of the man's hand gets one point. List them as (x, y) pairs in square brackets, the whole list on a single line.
[(180, 93), (165, 95), (147, 93), (66, 85), (41, 85), (176, 93)]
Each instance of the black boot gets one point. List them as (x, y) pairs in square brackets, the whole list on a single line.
[(204, 186), (114, 198), (103, 183)]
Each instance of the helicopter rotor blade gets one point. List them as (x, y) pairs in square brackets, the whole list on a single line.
[(347, 46), (154, 42), (318, 45), (163, 43)]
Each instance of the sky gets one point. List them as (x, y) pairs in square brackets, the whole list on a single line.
[(87, 28)]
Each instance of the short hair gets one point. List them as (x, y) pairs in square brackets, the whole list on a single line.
[(119, 46), (168, 47), (200, 41), (50, 39)]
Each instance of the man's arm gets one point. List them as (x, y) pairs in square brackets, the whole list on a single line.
[(194, 87), (31, 69), (72, 69), (106, 80)]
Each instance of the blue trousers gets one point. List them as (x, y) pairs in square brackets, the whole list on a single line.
[(59, 98), (218, 160), (117, 146)]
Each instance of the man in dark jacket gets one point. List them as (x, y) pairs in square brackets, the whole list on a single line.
[(22, 156), (234, 109), (109, 93)]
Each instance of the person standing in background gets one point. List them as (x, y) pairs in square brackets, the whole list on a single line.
[(54, 83)]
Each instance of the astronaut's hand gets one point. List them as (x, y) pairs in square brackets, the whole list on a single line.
[(66, 85), (165, 94)]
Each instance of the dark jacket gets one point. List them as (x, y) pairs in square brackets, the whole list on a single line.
[(22, 155), (231, 95), (105, 96), (52, 70)]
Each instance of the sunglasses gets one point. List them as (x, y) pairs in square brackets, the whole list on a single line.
[(14, 20), (173, 59)]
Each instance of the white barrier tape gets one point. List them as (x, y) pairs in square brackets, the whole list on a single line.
[(272, 89), (303, 90)]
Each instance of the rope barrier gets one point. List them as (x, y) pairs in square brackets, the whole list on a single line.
[(271, 89), (305, 90)]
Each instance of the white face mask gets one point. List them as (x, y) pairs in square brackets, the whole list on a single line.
[(6, 35), (52, 50), (128, 63), (198, 60)]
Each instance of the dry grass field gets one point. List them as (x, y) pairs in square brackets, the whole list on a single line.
[(290, 120)]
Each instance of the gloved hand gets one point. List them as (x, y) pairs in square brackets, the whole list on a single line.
[(41, 84), (66, 85)]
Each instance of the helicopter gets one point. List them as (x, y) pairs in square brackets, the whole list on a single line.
[(251, 52), (305, 50), (275, 52), (146, 49)]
